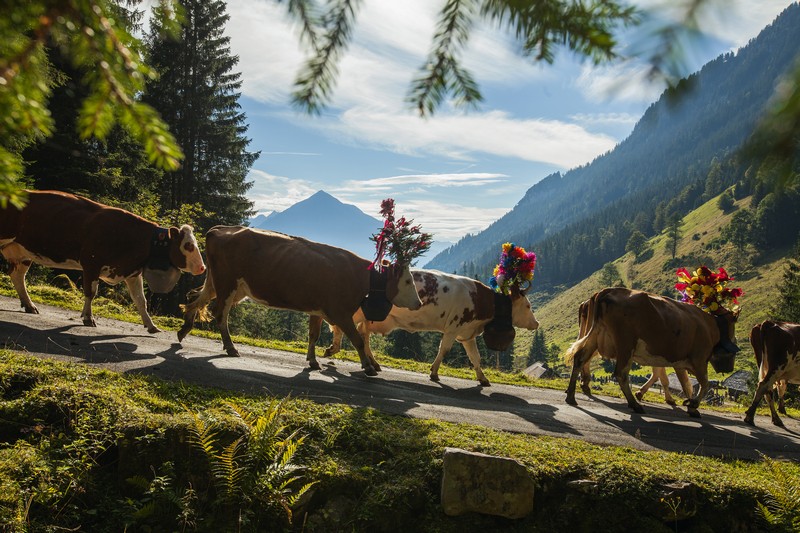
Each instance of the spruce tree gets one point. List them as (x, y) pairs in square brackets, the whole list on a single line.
[(197, 94), (538, 352)]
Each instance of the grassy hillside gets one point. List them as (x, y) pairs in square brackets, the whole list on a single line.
[(759, 277)]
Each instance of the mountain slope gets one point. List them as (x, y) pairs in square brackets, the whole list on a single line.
[(558, 316), (323, 218), (676, 140)]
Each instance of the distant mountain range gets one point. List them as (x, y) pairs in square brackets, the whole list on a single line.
[(323, 218), (674, 144)]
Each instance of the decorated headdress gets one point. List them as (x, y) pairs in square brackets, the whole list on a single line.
[(515, 268), (707, 290), (398, 238)]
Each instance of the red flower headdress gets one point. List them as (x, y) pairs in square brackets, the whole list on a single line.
[(398, 238), (707, 290)]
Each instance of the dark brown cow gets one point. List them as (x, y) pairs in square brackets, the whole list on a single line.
[(61, 230), (776, 345), (293, 273), (629, 325)]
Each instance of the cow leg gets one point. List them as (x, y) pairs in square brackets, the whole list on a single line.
[(363, 330), (764, 387), (582, 351), (136, 289), (444, 347), (622, 373), (89, 292), (683, 378), (780, 389), (776, 420), (336, 344), (471, 346), (314, 328), (586, 378), (196, 299), (644, 388), (17, 269), (349, 329), (221, 313), (694, 402)]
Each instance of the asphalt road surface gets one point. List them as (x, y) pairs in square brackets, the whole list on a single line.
[(125, 347)]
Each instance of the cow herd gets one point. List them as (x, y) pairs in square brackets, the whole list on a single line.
[(61, 230)]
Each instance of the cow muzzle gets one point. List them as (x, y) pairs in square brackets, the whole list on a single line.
[(161, 281)]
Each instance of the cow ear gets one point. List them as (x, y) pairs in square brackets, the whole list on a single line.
[(174, 233)]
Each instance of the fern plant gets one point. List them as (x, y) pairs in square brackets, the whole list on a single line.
[(256, 468), (781, 507)]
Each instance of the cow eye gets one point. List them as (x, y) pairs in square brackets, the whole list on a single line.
[(189, 247)]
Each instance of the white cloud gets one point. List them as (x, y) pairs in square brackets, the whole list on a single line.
[(423, 181), (462, 136), (448, 221)]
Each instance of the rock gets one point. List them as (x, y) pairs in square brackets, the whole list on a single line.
[(480, 483)]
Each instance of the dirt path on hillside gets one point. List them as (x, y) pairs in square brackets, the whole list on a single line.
[(125, 347)]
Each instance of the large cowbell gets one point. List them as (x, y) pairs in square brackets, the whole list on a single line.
[(376, 305), (160, 274), (499, 333)]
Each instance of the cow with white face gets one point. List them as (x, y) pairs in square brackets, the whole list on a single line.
[(458, 307), (61, 230)]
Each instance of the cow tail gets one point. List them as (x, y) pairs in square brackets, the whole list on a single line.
[(588, 338), (196, 306)]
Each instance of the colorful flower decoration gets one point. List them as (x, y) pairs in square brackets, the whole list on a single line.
[(707, 290), (515, 268), (398, 238)]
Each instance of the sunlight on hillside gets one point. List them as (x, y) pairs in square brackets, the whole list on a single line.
[(558, 318)]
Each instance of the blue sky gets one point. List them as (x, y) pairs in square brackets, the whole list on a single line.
[(458, 171)]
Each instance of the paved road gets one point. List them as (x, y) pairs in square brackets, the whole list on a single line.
[(125, 347)]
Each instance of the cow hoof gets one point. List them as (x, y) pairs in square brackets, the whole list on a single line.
[(377, 367), (671, 402), (694, 413), (639, 395), (89, 322), (485, 383), (232, 352), (33, 310), (185, 329), (314, 365), (586, 390), (571, 400), (778, 422), (435, 377), (638, 409), (370, 371), (749, 420), (153, 329)]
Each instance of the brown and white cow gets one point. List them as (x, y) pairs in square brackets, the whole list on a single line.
[(659, 372), (456, 306), (777, 349), (62, 230), (630, 325), (292, 273)]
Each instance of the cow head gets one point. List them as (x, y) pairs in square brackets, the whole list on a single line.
[(184, 253), (400, 288), (521, 311)]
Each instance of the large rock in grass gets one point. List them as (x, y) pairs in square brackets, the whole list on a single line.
[(479, 483)]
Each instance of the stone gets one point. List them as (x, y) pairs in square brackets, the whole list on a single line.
[(480, 483)]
